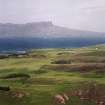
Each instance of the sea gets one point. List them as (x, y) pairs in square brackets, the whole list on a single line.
[(20, 44)]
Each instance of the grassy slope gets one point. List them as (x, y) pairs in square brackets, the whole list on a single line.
[(45, 83)]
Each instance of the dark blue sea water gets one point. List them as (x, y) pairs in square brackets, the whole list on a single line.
[(7, 44)]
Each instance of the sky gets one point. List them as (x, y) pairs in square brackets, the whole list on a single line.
[(75, 14)]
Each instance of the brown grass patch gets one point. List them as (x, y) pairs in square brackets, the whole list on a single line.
[(81, 67)]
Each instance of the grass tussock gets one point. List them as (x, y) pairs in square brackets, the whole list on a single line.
[(16, 75)]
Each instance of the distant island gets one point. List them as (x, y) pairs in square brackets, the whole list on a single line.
[(43, 29), (45, 35)]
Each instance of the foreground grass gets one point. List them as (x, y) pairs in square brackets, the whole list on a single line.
[(44, 83)]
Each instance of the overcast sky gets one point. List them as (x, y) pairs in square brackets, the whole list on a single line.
[(76, 14)]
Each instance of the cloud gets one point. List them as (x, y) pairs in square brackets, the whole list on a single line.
[(93, 8), (79, 14)]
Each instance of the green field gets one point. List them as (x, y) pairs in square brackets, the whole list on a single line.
[(36, 78)]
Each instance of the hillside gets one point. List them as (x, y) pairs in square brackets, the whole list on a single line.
[(37, 77)]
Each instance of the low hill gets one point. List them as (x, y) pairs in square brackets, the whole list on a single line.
[(42, 29)]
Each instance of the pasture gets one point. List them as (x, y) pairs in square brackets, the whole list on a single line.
[(37, 78)]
